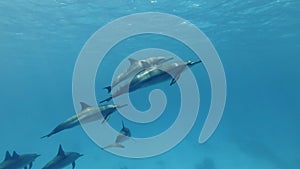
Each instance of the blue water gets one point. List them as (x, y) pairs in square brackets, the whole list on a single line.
[(258, 42)]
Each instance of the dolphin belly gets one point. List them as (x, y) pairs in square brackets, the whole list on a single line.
[(58, 164), (154, 77), (90, 116), (142, 80)]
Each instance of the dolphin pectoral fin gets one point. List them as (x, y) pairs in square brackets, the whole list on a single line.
[(73, 164), (174, 80), (106, 118), (106, 100), (108, 88), (30, 165)]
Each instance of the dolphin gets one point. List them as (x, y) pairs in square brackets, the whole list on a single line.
[(62, 159), (87, 114), (124, 135), (153, 75), (135, 67), (17, 161)]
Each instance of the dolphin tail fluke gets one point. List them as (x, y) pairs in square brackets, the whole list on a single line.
[(106, 100), (108, 88), (115, 145), (48, 135)]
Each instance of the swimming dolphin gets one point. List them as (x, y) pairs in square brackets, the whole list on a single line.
[(87, 114), (153, 75), (124, 135), (62, 159), (135, 67), (17, 161)]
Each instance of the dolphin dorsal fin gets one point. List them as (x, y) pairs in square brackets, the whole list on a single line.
[(7, 156), (132, 61), (60, 151), (73, 164), (84, 105), (174, 80), (15, 155), (123, 124), (145, 64)]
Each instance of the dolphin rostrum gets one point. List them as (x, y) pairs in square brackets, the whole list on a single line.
[(62, 159), (88, 114), (135, 67), (153, 75), (124, 135), (17, 161)]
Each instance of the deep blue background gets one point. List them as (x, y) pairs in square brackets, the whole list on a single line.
[(258, 42)]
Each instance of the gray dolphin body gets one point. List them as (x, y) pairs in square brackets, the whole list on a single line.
[(87, 114), (17, 161), (135, 67), (153, 75), (62, 159), (124, 135)]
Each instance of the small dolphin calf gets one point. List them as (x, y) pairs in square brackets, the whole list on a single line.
[(124, 135), (135, 67), (87, 114), (153, 75), (17, 161), (62, 159)]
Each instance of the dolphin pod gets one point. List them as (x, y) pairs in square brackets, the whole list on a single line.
[(61, 160), (153, 75), (143, 73), (17, 161)]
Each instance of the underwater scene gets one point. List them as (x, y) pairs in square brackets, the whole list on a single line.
[(152, 84)]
